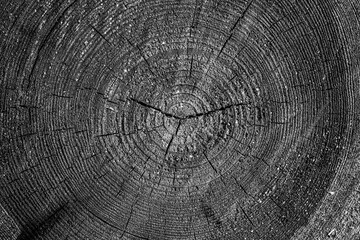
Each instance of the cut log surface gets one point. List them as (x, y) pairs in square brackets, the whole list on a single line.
[(197, 119), (8, 228)]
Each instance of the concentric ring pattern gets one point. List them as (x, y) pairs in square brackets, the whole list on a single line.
[(200, 119)]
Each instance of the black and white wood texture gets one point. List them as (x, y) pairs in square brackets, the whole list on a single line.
[(179, 119)]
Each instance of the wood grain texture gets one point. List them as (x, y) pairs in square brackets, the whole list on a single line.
[(133, 119)]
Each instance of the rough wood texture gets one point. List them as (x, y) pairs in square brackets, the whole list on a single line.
[(198, 119), (8, 228)]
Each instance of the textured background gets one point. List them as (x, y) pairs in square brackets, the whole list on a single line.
[(179, 119)]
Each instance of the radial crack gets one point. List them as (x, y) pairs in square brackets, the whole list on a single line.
[(172, 138), (215, 110), (155, 108), (242, 15)]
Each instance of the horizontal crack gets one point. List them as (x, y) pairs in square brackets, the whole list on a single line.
[(215, 110)]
